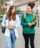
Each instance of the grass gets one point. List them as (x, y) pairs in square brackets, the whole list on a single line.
[(1, 16), (2, 13)]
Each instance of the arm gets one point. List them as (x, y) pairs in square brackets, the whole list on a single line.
[(17, 23), (22, 21), (33, 24), (3, 21), (3, 24)]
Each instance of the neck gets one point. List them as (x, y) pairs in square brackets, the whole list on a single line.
[(29, 12)]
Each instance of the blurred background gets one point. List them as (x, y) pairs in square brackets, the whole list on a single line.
[(21, 6)]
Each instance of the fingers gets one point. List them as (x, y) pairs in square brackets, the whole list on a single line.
[(29, 24), (33, 23)]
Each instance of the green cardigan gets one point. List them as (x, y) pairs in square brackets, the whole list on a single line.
[(24, 23)]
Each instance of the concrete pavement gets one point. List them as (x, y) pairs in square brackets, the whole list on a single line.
[(20, 40)]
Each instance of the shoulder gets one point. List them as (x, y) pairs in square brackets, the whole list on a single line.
[(23, 14), (4, 15), (17, 16), (34, 14)]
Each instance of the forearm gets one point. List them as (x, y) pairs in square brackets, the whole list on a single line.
[(31, 24), (13, 26), (6, 26)]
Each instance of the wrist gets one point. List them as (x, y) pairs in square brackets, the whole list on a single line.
[(33, 23)]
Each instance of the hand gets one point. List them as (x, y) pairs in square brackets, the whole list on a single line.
[(11, 25), (33, 23), (29, 24), (7, 26)]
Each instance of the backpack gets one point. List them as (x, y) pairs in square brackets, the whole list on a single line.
[(3, 29)]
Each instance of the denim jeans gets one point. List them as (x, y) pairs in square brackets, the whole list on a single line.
[(10, 41)]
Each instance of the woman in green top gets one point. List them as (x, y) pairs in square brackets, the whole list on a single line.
[(28, 25)]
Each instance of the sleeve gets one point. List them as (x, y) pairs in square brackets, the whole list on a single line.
[(3, 21), (22, 21), (35, 22), (17, 22)]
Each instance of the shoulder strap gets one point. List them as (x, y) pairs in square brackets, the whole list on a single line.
[(33, 16), (24, 15)]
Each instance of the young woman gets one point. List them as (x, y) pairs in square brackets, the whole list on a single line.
[(11, 24), (28, 25)]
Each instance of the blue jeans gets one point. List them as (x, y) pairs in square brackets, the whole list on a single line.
[(10, 41)]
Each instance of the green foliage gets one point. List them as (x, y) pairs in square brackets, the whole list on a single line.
[(2, 1), (18, 11), (1, 16), (2, 12)]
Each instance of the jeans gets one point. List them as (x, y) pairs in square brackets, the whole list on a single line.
[(27, 37), (10, 41)]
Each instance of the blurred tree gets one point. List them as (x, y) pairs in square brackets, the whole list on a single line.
[(18, 11), (2, 5), (2, 2)]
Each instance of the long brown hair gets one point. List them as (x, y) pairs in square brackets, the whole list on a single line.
[(9, 13)]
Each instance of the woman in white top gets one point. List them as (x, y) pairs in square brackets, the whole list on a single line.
[(12, 23)]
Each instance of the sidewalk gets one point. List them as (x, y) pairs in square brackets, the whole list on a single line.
[(20, 40)]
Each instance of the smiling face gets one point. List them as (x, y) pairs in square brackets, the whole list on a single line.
[(29, 9), (13, 10)]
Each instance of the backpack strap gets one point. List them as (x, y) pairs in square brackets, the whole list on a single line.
[(33, 16), (24, 16)]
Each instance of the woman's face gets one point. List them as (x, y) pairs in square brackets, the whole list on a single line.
[(29, 9), (13, 10)]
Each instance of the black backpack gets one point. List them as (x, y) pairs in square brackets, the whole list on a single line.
[(3, 29)]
